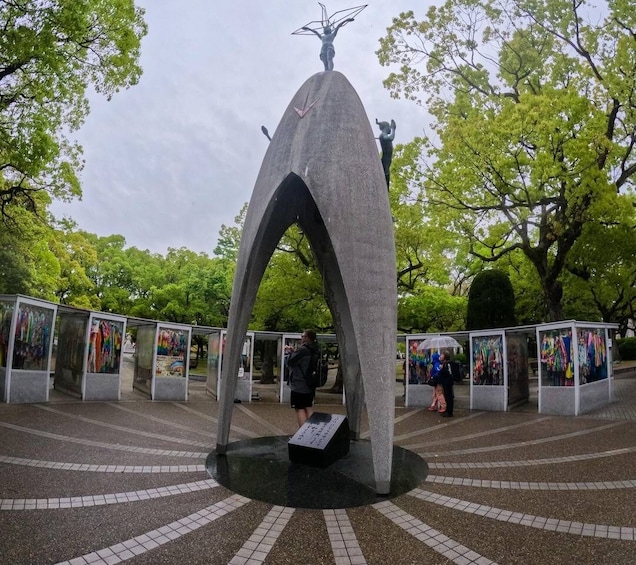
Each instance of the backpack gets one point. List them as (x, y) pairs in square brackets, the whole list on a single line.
[(318, 369)]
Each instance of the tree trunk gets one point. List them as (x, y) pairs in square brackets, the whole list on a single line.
[(553, 295), (267, 369)]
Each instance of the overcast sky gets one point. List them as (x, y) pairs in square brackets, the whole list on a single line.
[(173, 158)]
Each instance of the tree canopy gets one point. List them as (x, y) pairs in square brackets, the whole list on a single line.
[(534, 123), (529, 167), (27, 263), (50, 53), (432, 263)]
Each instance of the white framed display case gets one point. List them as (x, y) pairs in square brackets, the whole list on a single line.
[(518, 366), (88, 354), (145, 346), (102, 378), (575, 367), (162, 356), (70, 350), (213, 364), (26, 342), (325, 341), (330, 349), (488, 371), (417, 365), (243, 391), (171, 362), (284, 394)]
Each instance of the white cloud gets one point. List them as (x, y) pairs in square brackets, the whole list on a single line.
[(171, 159)]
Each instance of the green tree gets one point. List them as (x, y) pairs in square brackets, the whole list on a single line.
[(425, 253), (534, 113), (431, 309), (50, 52), (603, 263), (291, 296), (530, 308), (76, 256), (124, 278), (225, 256), (193, 291), (147, 274), (112, 273), (27, 263), (227, 246), (433, 264)]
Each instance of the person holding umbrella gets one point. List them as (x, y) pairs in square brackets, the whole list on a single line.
[(445, 377)]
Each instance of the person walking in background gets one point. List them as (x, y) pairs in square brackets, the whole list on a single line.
[(446, 380), (438, 402), (299, 363)]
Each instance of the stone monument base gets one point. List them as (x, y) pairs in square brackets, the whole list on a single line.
[(323, 439)]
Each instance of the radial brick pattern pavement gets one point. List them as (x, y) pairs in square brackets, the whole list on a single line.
[(105, 482)]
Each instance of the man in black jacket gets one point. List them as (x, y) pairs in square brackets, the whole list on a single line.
[(302, 388)]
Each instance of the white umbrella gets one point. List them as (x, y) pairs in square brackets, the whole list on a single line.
[(438, 342)]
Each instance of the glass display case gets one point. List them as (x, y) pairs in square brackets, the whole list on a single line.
[(70, 352), (518, 367), (144, 358), (33, 334), (105, 345), (26, 341), (573, 360), (213, 363), (488, 371), (243, 391), (7, 308), (487, 360), (294, 341), (171, 362), (591, 354), (574, 367), (102, 380), (172, 352), (416, 370), (88, 354), (556, 355)]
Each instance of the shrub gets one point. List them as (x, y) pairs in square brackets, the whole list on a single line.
[(491, 301), (627, 348), (460, 358)]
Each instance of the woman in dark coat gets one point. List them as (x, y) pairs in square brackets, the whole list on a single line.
[(446, 380)]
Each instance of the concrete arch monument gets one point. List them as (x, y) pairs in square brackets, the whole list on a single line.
[(322, 171)]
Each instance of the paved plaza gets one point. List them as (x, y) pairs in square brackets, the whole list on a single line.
[(108, 482)]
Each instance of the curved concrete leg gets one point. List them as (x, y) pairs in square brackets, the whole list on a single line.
[(322, 171)]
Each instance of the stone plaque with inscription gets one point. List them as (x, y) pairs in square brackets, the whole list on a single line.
[(322, 439)]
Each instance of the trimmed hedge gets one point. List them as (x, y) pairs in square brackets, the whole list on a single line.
[(627, 348), (491, 301)]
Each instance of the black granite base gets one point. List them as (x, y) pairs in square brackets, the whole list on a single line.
[(322, 440), (260, 469)]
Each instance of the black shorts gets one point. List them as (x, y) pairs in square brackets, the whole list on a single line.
[(300, 400)]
